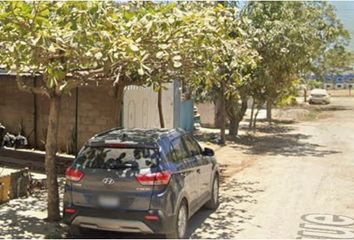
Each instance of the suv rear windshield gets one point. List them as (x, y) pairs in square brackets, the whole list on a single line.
[(117, 158)]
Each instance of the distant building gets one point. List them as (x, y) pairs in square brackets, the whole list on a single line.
[(339, 81)]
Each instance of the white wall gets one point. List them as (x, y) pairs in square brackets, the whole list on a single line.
[(140, 107), (207, 113)]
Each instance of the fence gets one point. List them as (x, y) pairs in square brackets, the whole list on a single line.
[(141, 111)]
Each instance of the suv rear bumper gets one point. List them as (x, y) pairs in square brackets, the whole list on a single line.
[(111, 224), (120, 220)]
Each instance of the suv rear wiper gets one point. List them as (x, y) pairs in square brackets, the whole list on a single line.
[(123, 165)]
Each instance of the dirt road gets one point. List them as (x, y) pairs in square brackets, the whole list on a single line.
[(300, 186)]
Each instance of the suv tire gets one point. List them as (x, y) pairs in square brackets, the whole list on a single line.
[(75, 232), (78, 232), (213, 203), (180, 224)]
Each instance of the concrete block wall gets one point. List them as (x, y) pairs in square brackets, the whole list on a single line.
[(97, 111), (16, 107)]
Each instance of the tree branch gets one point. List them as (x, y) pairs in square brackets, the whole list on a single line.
[(24, 87)]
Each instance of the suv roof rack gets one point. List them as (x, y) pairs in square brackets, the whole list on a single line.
[(151, 134), (108, 131)]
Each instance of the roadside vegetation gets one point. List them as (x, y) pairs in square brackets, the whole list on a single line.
[(218, 52)]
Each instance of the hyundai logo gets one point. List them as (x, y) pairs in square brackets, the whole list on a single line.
[(108, 181)]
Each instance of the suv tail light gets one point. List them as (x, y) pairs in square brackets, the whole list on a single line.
[(70, 210), (74, 174), (158, 178)]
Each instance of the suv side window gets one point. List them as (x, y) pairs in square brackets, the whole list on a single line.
[(196, 144), (192, 145), (179, 150)]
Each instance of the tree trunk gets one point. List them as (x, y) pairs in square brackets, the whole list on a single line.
[(236, 113), (305, 95), (269, 111), (237, 127), (252, 111), (159, 106), (231, 109), (120, 106), (222, 114), (51, 149), (255, 118), (187, 91), (241, 112), (35, 115), (217, 116), (233, 128)]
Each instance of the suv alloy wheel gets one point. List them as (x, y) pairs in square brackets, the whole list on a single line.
[(180, 227)]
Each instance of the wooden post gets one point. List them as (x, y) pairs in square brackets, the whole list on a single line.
[(350, 90), (35, 118), (76, 120)]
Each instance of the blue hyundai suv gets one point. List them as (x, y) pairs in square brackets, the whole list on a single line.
[(137, 180)]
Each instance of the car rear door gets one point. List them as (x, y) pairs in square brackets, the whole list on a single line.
[(115, 178), (187, 171), (205, 166)]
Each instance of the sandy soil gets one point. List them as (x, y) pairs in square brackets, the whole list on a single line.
[(301, 169)]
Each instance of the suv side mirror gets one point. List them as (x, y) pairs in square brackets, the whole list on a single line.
[(208, 152)]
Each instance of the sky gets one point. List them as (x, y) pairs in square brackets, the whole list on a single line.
[(345, 12)]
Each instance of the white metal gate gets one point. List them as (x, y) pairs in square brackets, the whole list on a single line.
[(140, 107)]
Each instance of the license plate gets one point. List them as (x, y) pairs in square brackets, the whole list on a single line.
[(107, 201)]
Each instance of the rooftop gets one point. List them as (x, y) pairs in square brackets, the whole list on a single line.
[(134, 136)]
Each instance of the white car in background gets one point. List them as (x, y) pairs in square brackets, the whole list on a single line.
[(319, 96)]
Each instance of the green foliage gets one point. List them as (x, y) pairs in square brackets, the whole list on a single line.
[(314, 84), (74, 42), (60, 40), (287, 101), (227, 47), (160, 43), (292, 38)]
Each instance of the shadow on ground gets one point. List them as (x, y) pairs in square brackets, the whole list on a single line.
[(97, 234), (278, 138), (276, 121), (231, 216), (284, 144), (278, 126), (25, 218), (275, 128), (226, 222), (281, 142), (331, 108)]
